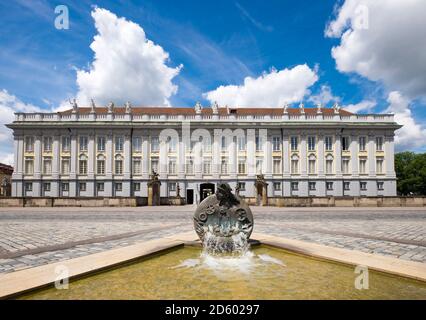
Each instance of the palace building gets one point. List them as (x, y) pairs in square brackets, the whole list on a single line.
[(271, 152)]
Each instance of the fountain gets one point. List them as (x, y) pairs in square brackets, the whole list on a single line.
[(223, 222)]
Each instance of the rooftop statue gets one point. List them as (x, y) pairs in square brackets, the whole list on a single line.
[(128, 107), (110, 106)]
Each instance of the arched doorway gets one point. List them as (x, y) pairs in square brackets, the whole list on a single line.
[(206, 189)]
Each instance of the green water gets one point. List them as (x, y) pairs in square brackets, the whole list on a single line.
[(265, 273)]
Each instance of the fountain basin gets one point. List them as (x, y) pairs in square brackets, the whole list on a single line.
[(171, 263), (262, 273)]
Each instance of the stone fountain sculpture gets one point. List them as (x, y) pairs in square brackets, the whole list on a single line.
[(223, 221)]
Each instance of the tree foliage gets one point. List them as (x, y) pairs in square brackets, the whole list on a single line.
[(411, 173)]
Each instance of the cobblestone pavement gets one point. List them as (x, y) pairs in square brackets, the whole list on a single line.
[(34, 236)]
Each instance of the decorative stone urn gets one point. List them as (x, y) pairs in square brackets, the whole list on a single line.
[(223, 215)]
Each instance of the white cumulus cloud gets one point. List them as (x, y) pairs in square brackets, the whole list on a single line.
[(383, 40), (9, 104), (324, 96), (271, 89), (126, 65), (411, 135), (363, 106)]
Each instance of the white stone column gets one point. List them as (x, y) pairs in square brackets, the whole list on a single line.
[(73, 168), (145, 157), (263, 136), (286, 156), (355, 187), (268, 158), (127, 169), (303, 156), (217, 134), (181, 158), (371, 156), (163, 159), (321, 156), (17, 184), (251, 153), (109, 164), (55, 186), (389, 157), (232, 151), (338, 184), (38, 156)]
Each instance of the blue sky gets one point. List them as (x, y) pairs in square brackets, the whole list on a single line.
[(216, 43)]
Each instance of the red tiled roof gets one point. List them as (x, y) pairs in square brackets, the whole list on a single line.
[(206, 111)]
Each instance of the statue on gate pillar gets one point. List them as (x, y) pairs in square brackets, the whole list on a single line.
[(261, 190), (154, 189)]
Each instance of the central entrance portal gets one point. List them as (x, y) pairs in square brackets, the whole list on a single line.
[(206, 189)]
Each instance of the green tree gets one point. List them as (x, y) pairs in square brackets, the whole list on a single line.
[(411, 173)]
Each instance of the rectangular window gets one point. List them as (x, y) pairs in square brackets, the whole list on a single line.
[(101, 144), (100, 166), (29, 144), (328, 166), (82, 186), (207, 146), (259, 165), (363, 185), (66, 144), (345, 143), (100, 186), (172, 186), (294, 141), (65, 165), (277, 186), (312, 186), (242, 143), (29, 166), (242, 166), (379, 165), (380, 185), (172, 166), (294, 186), (242, 186), (47, 165), (379, 143), (118, 166), (172, 145), (224, 146), (47, 144), (329, 143), (329, 186), (189, 166), (362, 166), (83, 143), (276, 143), (155, 144), (311, 143), (82, 164), (207, 166), (346, 186), (119, 144), (276, 165), (137, 166), (46, 186), (259, 143), (137, 144), (118, 186), (345, 165), (224, 166), (294, 166), (136, 186), (154, 164), (28, 186), (362, 143), (311, 165), (65, 186)]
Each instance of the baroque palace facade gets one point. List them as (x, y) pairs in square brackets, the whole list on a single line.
[(112, 152)]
